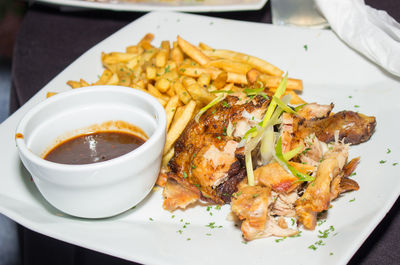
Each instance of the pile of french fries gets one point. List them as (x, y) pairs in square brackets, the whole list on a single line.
[(183, 76)]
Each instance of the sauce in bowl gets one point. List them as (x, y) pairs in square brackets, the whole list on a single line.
[(93, 147)]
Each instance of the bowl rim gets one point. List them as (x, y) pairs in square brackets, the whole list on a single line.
[(158, 133)]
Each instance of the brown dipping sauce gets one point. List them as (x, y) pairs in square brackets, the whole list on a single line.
[(93, 148)]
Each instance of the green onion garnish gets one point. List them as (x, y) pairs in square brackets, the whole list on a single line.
[(283, 106), (278, 93), (281, 160)]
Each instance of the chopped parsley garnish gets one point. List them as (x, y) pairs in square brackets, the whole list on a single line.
[(352, 200), (188, 239), (395, 164), (197, 185), (382, 161), (244, 242), (217, 207), (325, 233), (305, 47), (212, 225), (353, 174), (179, 231), (151, 219), (356, 106), (167, 69), (185, 175), (173, 216), (350, 96), (208, 234), (312, 247), (388, 151), (330, 254), (225, 104), (280, 239), (219, 137)]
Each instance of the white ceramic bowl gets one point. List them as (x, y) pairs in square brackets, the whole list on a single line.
[(100, 189)]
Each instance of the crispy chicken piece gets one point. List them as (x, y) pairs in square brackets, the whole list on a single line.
[(342, 183), (353, 127), (313, 111), (317, 196), (277, 178), (250, 204), (177, 196), (207, 157)]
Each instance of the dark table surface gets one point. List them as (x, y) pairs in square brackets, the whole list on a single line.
[(49, 40)]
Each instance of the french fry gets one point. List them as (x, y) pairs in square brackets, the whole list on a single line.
[(181, 92), (167, 157), (170, 109), (163, 54), (188, 81), (50, 94), (116, 57), (259, 64), (132, 49), (193, 71), (151, 72), (177, 128), (237, 78), (162, 84), (230, 66), (221, 80), (274, 81), (113, 80), (83, 83), (74, 84), (200, 93), (204, 46), (177, 54), (156, 93), (252, 75), (192, 51), (204, 80)]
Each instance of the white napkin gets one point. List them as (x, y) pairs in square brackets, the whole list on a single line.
[(371, 32)]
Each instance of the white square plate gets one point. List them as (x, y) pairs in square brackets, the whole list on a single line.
[(164, 5), (331, 72)]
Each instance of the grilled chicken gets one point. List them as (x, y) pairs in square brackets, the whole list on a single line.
[(250, 204), (314, 119), (207, 155), (353, 127), (208, 164), (317, 195)]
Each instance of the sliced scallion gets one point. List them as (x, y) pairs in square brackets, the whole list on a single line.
[(281, 160)]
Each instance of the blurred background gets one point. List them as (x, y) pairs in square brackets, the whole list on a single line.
[(11, 13)]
